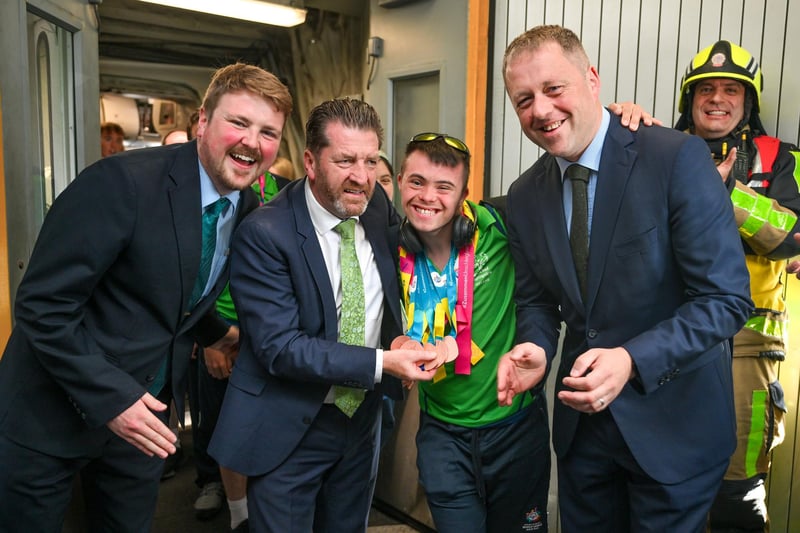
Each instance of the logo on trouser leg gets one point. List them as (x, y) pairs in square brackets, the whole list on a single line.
[(533, 520)]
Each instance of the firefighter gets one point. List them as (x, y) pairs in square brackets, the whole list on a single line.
[(720, 99)]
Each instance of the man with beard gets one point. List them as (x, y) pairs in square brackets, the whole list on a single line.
[(314, 282), (121, 282)]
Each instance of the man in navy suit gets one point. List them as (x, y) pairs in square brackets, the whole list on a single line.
[(111, 303), (310, 465), (643, 422)]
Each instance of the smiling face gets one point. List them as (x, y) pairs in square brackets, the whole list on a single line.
[(717, 107), (431, 195), (240, 140), (555, 98), (342, 175)]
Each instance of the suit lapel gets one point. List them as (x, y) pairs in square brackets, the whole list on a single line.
[(611, 182), (184, 199), (309, 244)]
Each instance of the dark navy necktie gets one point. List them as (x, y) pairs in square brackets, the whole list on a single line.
[(579, 228)]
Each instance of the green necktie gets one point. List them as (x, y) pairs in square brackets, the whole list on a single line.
[(351, 326), (210, 217), (579, 228)]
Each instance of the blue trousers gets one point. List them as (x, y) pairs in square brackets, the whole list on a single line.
[(326, 483), (487, 480), (602, 488)]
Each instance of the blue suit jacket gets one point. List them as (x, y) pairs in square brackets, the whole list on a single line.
[(666, 280), (105, 300), (289, 355)]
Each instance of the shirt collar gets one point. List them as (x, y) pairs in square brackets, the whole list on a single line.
[(591, 156), (209, 194)]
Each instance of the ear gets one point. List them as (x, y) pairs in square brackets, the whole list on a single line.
[(202, 123), (593, 78), (308, 164)]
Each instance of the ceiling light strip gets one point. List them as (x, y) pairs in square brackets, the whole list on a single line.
[(250, 10)]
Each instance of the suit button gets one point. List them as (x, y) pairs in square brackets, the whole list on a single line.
[(592, 333), (306, 420), (150, 379)]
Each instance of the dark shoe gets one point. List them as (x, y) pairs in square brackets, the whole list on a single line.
[(210, 501), (243, 527), (171, 464)]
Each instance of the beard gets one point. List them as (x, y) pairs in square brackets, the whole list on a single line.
[(227, 178), (334, 196)]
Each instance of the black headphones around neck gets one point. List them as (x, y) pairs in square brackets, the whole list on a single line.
[(463, 232)]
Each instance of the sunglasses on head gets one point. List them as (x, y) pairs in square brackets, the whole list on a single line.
[(452, 142)]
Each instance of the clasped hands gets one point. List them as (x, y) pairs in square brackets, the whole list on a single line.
[(595, 380), (413, 361)]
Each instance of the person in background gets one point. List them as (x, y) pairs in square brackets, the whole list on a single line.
[(634, 249), (174, 137), (192, 124), (719, 101), (484, 467), (139, 243), (385, 175), (282, 167), (314, 282), (111, 137)]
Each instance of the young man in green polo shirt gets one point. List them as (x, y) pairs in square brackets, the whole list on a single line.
[(484, 467)]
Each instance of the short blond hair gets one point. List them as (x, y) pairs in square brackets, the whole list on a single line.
[(242, 77), (539, 35)]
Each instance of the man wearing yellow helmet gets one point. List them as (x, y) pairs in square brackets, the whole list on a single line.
[(720, 100)]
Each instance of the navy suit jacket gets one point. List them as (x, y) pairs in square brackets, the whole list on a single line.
[(104, 300), (289, 355), (666, 280)]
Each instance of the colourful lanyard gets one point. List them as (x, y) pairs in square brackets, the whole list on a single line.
[(426, 308), (434, 297)]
